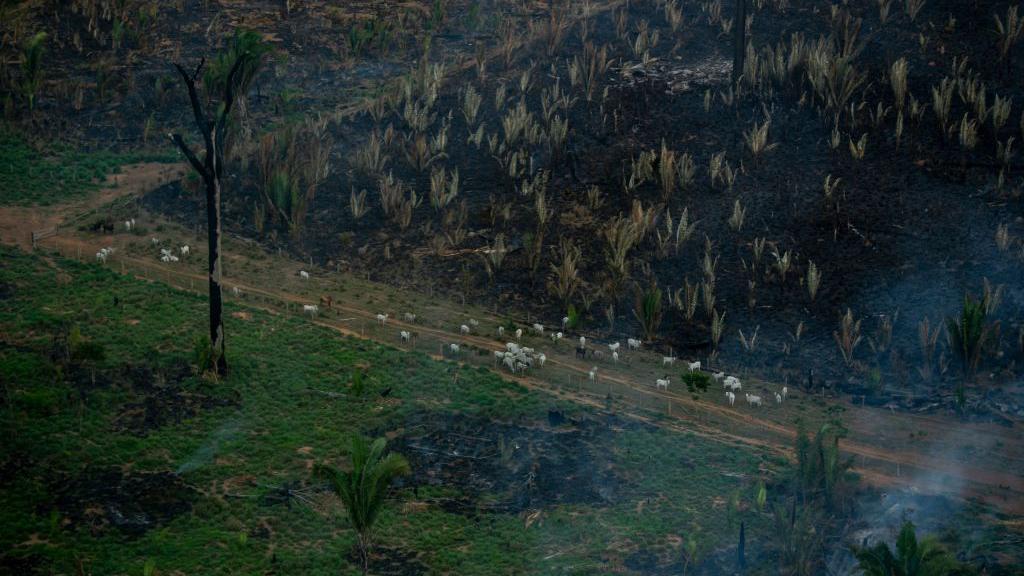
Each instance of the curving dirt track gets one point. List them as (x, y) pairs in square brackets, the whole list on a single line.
[(17, 223)]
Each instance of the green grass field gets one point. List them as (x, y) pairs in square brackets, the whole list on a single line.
[(57, 173), (288, 403)]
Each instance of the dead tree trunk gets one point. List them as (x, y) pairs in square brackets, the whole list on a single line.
[(210, 169), (739, 39), (742, 548)]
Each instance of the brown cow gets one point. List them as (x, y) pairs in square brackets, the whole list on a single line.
[(326, 301)]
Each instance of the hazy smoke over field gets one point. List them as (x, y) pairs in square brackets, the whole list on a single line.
[(209, 449)]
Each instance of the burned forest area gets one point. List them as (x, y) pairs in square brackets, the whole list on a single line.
[(638, 287)]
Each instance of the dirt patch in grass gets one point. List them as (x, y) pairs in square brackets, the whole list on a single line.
[(132, 503), (649, 562), (511, 467), (24, 565), (390, 562)]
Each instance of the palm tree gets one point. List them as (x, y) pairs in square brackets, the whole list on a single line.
[(648, 310), (821, 471), (362, 489), (248, 47), (798, 538), (31, 67), (968, 334), (926, 557)]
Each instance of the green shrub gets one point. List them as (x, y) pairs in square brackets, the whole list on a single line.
[(968, 334), (696, 381), (574, 317)]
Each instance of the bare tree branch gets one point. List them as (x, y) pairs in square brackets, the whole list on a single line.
[(197, 107), (192, 159), (199, 67)]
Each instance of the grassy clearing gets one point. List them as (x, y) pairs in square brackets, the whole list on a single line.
[(269, 428), (56, 173)]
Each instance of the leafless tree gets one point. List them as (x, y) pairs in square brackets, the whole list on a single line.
[(211, 170)]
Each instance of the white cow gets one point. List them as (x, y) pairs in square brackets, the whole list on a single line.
[(538, 329), (519, 333), (753, 400), (717, 376), (310, 309), (409, 317), (101, 256), (785, 392), (778, 398), (405, 335), (185, 251), (236, 291), (303, 274), (464, 329), (662, 383), (614, 347), (510, 361), (454, 348), (615, 357), (592, 375), (382, 319), (541, 359), (501, 331), (583, 341), (731, 397), (668, 360), (633, 343), (565, 322), (694, 366)]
